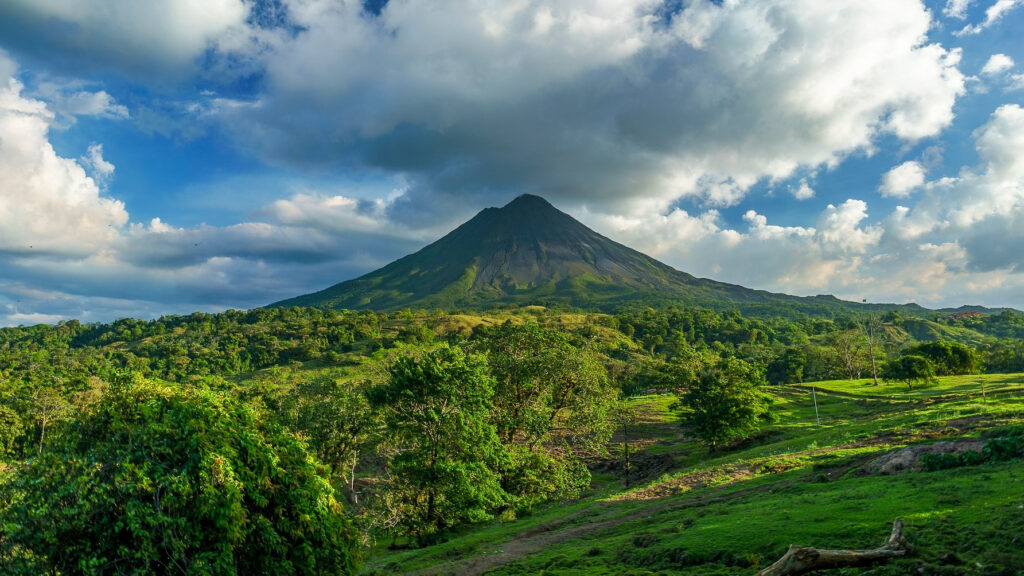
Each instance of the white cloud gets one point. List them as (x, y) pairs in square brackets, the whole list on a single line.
[(993, 14), (723, 96), (67, 250), (902, 180), (803, 191), (98, 104), (996, 65), (956, 8), (102, 170), (48, 204), (960, 242), (839, 228)]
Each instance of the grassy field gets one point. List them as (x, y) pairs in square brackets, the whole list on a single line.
[(797, 482)]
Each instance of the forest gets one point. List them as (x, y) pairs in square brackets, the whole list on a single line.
[(302, 441)]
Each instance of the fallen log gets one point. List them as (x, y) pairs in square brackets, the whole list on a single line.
[(804, 559)]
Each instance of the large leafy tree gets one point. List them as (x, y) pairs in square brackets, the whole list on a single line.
[(436, 408), (161, 479), (724, 401), (553, 403)]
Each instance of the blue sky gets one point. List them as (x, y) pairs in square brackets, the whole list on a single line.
[(180, 155)]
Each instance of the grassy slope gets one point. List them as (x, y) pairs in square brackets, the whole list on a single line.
[(799, 483)]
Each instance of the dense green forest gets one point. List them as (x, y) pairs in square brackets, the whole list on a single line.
[(297, 440)]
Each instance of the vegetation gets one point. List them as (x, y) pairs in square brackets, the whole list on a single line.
[(910, 369), (159, 478), (724, 402), (298, 440), (447, 454)]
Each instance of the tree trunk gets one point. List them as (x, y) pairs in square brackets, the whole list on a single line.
[(804, 559), (626, 447), (352, 478), (42, 434)]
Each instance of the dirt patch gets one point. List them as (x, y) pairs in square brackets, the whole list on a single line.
[(909, 458)]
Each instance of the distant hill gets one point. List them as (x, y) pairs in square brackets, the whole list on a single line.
[(529, 252)]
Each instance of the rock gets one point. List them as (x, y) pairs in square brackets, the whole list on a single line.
[(909, 458)]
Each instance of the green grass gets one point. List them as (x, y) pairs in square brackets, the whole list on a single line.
[(797, 482)]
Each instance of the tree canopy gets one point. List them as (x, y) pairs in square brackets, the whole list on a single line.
[(436, 407), (724, 402), (162, 478)]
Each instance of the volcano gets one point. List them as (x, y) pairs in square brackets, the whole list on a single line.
[(529, 252)]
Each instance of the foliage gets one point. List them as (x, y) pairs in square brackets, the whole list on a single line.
[(168, 479), (725, 402), (338, 422), (787, 368), (948, 358), (436, 408), (10, 430), (911, 370), (552, 402), (995, 450)]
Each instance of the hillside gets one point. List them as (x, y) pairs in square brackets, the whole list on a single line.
[(529, 252), (798, 482)]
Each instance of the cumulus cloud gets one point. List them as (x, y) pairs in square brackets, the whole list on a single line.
[(48, 204), (84, 103), (996, 65), (639, 107), (102, 170), (902, 180), (961, 241)]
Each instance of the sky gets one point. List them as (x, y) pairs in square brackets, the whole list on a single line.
[(172, 156)]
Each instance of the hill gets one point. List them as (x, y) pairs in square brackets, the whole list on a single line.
[(529, 252)]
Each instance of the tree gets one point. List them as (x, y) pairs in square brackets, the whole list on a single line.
[(553, 402), (848, 348), (49, 407), (871, 326), (436, 408), (724, 402), (546, 386), (910, 369), (338, 422), (787, 368), (948, 358), (161, 479)]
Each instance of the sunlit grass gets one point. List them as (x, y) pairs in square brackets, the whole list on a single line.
[(798, 482)]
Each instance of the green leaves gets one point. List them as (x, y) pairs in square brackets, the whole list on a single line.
[(436, 408), (910, 369), (161, 478), (725, 402)]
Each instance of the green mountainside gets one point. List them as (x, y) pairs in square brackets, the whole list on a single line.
[(529, 252)]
